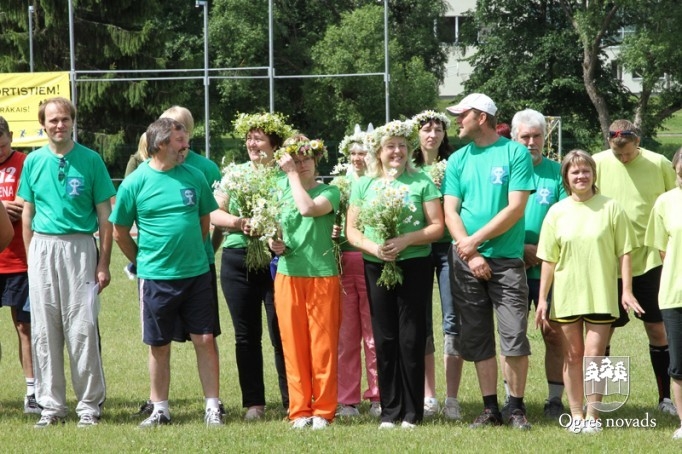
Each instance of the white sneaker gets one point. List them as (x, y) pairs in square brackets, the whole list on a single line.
[(678, 434), (300, 423), (667, 406), (451, 409), (88, 420), (431, 407), (212, 417), (375, 409), (347, 411), (386, 425), (319, 423), (407, 425)]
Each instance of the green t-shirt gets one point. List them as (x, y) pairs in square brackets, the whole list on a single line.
[(346, 245), (65, 204), (212, 173), (308, 239), (548, 191), (585, 240), (446, 238), (421, 190), (482, 178), (636, 186), (664, 233), (167, 207)]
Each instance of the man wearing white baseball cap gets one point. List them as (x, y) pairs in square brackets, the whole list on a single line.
[(486, 187)]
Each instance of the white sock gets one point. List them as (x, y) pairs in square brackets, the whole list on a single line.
[(30, 386), (162, 406), (213, 403)]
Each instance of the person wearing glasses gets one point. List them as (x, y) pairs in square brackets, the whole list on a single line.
[(635, 177), (66, 191), (486, 188)]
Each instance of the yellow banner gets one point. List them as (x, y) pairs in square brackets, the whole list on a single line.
[(20, 97)]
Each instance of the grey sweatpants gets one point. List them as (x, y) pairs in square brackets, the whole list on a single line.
[(61, 275)]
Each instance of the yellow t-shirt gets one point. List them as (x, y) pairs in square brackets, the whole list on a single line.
[(636, 186)]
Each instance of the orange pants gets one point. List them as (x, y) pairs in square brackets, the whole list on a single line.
[(309, 314)]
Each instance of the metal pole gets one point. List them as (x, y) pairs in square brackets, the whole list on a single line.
[(30, 36), (387, 75), (72, 56), (271, 57), (207, 81)]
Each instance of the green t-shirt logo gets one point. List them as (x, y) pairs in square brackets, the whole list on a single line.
[(74, 185), (189, 196), (499, 174)]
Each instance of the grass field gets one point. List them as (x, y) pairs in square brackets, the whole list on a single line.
[(127, 380)]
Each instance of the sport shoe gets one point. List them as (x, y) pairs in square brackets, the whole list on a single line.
[(407, 425), (347, 411), (487, 418), (451, 409), (591, 426), (386, 425), (31, 405), (88, 420), (431, 407), (667, 406), (155, 420), (130, 271), (301, 423), (375, 409), (319, 423), (677, 435), (254, 413), (517, 420), (212, 417), (46, 421), (554, 408), (147, 408)]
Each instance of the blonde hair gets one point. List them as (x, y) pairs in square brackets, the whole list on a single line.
[(181, 115), (142, 147), (374, 167)]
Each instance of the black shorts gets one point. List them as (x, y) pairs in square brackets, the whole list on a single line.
[(163, 301), (14, 294), (597, 319), (645, 288)]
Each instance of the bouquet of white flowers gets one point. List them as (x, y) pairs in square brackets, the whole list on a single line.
[(437, 172), (252, 190), (343, 182), (385, 213)]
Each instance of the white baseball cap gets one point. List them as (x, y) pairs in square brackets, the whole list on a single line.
[(477, 101)]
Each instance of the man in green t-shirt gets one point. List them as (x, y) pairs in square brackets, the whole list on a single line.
[(635, 177), (67, 197), (486, 189), (171, 206)]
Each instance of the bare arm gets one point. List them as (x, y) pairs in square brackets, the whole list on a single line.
[(546, 280), (356, 237), (13, 208), (6, 229), (221, 218), (433, 214), (476, 262), (105, 240), (628, 300), (307, 206), (125, 242), (27, 215)]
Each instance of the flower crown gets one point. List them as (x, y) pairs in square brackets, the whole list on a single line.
[(396, 128), (348, 141), (314, 148), (269, 123), (429, 115)]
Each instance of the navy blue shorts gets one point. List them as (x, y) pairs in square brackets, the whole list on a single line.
[(14, 293), (163, 301)]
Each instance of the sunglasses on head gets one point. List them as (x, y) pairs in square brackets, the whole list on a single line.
[(623, 133)]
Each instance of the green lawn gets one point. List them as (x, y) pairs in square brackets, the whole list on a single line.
[(127, 379)]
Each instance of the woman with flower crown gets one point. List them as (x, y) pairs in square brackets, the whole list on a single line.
[(356, 322), (307, 284), (431, 157), (247, 289), (397, 301)]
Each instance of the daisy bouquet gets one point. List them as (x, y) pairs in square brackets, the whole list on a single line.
[(384, 214), (343, 182), (437, 172), (252, 194)]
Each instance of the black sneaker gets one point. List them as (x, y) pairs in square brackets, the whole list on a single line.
[(487, 418), (146, 408), (155, 420), (517, 420), (31, 405), (554, 408)]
